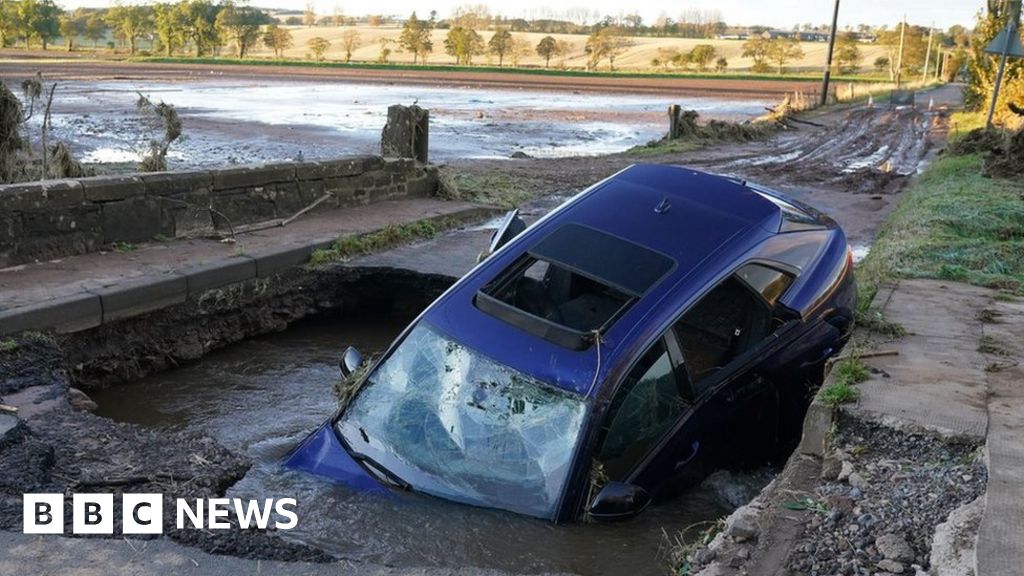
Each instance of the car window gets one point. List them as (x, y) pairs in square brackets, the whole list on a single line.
[(643, 409), (725, 323), (770, 283)]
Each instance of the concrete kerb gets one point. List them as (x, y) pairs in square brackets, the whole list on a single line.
[(142, 295), (67, 314), (92, 308), (211, 275)]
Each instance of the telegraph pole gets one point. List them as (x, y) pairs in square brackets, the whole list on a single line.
[(928, 55), (828, 60), (899, 58)]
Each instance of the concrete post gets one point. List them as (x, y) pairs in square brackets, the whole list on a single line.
[(406, 134)]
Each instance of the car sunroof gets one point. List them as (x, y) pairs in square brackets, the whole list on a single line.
[(573, 282)]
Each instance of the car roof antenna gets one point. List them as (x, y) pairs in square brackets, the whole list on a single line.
[(596, 335), (663, 207)]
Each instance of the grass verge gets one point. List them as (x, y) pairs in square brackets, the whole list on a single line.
[(347, 247), (953, 224)]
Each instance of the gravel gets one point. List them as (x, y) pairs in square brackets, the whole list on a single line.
[(881, 516)]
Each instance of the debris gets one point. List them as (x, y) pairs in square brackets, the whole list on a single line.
[(894, 547)]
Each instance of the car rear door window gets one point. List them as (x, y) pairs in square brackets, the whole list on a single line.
[(727, 322), (770, 283), (642, 411)]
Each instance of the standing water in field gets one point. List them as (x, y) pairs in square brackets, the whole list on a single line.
[(249, 122), (261, 397)]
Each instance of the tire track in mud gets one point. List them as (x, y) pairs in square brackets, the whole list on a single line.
[(864, 151)]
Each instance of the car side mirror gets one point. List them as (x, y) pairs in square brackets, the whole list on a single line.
[(511, 226), (351, 360), (618, 501)]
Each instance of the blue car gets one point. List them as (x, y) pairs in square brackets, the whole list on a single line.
[(660, 324)]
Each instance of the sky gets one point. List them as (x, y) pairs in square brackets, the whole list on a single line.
[(777, 13)]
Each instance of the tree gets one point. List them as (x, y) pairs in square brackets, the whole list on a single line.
[(95, 28), (702, 55), (756, 48), (547, 49), (349, 42), (415, 38), (318, 46), (171, 24), (309, 16), (132, 22), (721, 65), (338, 18), (471, 17), (500, 44), (9, 24), (71, 25), (783, 50), (385, 49), (666, 57), (848, 56), (241, 24), (881, 63), (463, 44), (39, 20), (201, 26), (982, 67), (520, 49), (914, 48), (278, 39), (608, 42)]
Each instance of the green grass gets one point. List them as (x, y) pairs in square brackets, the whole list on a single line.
[(347, 247), (953, 224), (505, 70), (847, 373), (8, 345)]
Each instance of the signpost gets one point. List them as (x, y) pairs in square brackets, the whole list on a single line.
[(1006, 44)]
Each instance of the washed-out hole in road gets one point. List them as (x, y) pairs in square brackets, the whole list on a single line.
[(262, 396)]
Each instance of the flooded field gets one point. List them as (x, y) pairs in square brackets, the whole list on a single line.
[(249, 121), (262, 396)]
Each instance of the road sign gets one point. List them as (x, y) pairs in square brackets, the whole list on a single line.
[(997, 44)]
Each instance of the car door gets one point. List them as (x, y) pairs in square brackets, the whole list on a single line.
[(650, 429), (724, 339)]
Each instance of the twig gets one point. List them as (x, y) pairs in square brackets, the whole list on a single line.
[(307, 208), (8, 409), (46, 128)]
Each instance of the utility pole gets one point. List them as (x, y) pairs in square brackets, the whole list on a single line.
[(828, 60), (928, 55), (899, 57)]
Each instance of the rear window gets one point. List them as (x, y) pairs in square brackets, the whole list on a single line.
[(573, 282)]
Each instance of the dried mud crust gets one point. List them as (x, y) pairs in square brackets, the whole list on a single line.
[(66, 451), (882, 487)]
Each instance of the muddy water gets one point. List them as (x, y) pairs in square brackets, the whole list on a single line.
[(262, 396), (245, 122)]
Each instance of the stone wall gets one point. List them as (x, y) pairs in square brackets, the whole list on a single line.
[(57, 218)]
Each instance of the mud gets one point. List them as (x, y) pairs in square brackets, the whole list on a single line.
[(59, 450)]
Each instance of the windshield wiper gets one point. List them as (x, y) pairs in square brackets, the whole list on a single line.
[(380, 471)]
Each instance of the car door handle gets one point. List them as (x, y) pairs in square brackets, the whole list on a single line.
[(695, 447)]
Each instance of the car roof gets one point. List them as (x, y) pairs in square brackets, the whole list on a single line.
[(702, 222)]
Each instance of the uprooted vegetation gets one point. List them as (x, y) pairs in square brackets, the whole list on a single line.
[(19, 160), (687, 133), (1002, 151), (164, 121)]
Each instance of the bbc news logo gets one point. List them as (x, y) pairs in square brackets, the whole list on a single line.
[(144, 513)]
